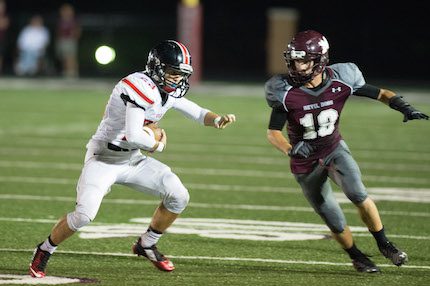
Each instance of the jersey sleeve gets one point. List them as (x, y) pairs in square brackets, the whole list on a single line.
[(190, 109), (139, 91), (275, 89), (278, 118), (134, 119), (350, 74)]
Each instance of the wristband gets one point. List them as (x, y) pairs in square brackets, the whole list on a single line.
[(217, 120), (160, 147)]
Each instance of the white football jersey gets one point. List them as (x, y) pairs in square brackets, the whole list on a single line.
[(139, 89)]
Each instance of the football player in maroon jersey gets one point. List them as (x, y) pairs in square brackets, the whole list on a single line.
[(309, 99)]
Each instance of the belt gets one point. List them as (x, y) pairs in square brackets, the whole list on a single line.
[(117, 148)]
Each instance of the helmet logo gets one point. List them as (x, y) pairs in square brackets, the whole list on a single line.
[(324, 45), (186, 68), (296, 55)]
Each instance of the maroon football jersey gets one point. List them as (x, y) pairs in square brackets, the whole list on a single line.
[(313, 115)]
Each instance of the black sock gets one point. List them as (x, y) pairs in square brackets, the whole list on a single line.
[(380, 237), (354, 252), (154, 230), (50, 241)]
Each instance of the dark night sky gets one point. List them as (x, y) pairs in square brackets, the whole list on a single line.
[(387, 41)]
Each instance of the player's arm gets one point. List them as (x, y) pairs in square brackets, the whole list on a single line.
[(391, 99), (202, 115), (134, 120), (275, 90), (278, 118)]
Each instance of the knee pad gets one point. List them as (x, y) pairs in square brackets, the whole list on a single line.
[(337, 227), (333, 217), (356, 192), (176, 196), (76, 220)]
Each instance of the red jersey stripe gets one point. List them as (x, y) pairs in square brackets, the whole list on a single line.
[(185, 53), (130, 84)]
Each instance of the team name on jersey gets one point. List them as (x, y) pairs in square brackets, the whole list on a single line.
[(148, 81), (318, 105)]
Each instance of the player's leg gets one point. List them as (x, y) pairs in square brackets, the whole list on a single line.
[(94, 182), (318, 192), (162, 218), (346, 173), (153, 177)]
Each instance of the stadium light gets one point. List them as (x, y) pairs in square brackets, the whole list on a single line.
[(105, 55)]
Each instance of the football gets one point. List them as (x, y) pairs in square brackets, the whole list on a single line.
[(153, 130)]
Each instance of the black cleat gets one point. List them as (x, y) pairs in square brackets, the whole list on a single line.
[(38, 263), (364, 264), (153, 255), (390, 251)]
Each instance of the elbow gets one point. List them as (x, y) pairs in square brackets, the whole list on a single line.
[(385, 95), (269, 136), (141, 140), (132, 138)]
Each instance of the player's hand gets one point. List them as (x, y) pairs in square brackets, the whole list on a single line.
[(163, 138), (412, 114), (301, 150), (223, 121), (162, 143)]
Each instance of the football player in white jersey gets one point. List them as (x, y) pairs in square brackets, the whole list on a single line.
[(114, 152)]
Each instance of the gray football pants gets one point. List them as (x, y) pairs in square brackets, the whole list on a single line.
[(341, 167)]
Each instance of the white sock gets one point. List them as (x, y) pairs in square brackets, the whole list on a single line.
[(150, 237), (48, 245)]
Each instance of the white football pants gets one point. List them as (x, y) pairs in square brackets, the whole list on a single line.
[(132, 169)]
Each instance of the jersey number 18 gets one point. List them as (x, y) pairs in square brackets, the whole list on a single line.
[(326, 121)]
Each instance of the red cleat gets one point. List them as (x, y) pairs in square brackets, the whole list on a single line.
[(152, 253), (38, 263)]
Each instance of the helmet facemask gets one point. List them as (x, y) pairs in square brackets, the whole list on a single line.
[(169, 85), (299, 77), (159, 71)]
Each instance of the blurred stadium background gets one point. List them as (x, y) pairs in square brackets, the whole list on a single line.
[(389, 42)]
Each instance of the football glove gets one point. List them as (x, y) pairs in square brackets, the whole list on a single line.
[(410, 113), (414, 114), (301, 150)]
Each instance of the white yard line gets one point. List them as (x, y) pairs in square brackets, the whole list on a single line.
[(201, 205), (37, 180), (216, 172), (55, 140), (262, 260), (196, 148), (254, 160), (231, 226), (196, 186)]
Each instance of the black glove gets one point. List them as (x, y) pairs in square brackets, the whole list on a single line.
[(415, 114), (301, 150), (409, 112)]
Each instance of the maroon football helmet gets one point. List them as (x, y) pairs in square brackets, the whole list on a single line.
[(307, 45)]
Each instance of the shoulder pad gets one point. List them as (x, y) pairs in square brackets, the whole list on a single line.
[(140, 89), (348, 73), (275, 89)]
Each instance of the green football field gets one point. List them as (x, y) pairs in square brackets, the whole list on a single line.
[(247, 222)]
